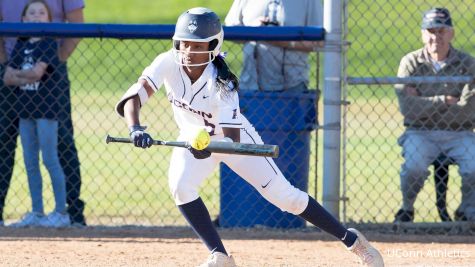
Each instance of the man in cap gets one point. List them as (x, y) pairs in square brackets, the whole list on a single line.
[(439, 117)]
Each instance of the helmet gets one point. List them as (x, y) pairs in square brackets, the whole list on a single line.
[(198, 24)]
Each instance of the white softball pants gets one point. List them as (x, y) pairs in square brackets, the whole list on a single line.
[(186, 174)]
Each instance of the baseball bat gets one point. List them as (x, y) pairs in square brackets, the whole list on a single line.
[(215, 147)]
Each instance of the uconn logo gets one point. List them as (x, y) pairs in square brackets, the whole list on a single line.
[(204, 115), (192, 26), (179, 104)]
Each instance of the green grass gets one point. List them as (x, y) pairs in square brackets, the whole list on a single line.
[(145, 11), (122, 185)]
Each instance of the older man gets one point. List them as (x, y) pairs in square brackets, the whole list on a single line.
[(439, 118)]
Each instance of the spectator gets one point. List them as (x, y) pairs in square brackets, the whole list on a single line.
[(61, 11), (32, 67), (276, 65), (439, 118)]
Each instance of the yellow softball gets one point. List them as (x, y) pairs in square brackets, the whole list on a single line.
[(200, 139)]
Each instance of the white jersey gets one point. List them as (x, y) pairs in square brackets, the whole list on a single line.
[(195, 105), (202, 105)]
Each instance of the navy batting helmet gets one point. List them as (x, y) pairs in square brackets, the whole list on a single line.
[(199, 24)]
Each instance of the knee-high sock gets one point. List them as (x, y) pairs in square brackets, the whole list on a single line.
[(318, 216), (198, 217)]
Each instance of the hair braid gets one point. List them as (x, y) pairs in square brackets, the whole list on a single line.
[(225, 76)]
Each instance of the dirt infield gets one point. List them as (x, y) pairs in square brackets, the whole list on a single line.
[(177, 246)]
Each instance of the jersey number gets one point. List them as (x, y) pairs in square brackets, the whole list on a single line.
[(210, 125)]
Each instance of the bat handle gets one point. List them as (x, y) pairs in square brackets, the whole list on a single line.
[(108, 139)]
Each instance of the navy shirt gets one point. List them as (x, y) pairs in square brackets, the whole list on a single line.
[(44, 98)]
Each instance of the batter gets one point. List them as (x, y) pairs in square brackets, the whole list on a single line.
[(203, 93)]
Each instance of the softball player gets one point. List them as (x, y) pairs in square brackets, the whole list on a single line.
[(204, 95)]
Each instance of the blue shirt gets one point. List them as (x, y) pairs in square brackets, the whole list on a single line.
[(45, 97)]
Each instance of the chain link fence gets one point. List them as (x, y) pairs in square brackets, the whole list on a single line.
[(380, 33), (123, 185)]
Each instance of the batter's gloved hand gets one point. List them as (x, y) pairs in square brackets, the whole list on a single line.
[(139, 137), (199, 154)]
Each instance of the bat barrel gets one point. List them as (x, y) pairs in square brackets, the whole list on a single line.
[(244, 149), (215, 147)]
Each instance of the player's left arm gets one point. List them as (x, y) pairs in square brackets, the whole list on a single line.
[(69, 44), (229, 117)]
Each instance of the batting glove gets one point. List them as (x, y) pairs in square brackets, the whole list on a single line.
[(199, 154), (139, 137)]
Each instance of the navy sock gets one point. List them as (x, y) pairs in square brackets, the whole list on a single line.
[(318, 216), (198, 217)]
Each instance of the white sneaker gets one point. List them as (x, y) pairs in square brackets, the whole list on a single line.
[(56, 220), (29, 219), (218, 259), (368, 254)]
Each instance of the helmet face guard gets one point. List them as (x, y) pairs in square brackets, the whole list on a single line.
[(198, 25), (178, 56)]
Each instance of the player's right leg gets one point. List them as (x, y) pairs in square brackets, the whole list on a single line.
[(185, 176)]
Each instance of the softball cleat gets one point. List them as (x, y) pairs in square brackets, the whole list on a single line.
[(368, 255)]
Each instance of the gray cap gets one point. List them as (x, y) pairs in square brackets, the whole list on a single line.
[(436, 18)]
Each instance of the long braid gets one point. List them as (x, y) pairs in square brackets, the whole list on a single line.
[(225, 77)]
